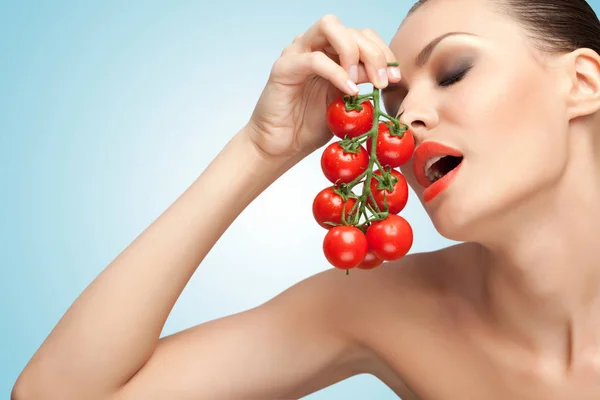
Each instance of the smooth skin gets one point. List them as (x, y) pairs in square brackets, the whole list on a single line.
[(511, 313)]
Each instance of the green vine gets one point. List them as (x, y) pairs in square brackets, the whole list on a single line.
[(365, 202)]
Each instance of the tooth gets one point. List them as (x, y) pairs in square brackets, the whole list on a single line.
[(432, 174), (432, 161)]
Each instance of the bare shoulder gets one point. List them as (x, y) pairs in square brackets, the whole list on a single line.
[(405, 306), (325, 328), (401, 283), (347, 299), (421, 288)]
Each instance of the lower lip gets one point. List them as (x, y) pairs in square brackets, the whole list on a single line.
[(440, 185)]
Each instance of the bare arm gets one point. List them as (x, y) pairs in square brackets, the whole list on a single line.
[(294, 345), (107, 344), (112, 329)]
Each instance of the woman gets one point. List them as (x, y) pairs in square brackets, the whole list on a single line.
[(513, 312)]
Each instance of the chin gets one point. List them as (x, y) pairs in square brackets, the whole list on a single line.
[(470, 213), (485, 214), (454, 214), (454, 218)]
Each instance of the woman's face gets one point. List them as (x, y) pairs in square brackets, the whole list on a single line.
[(485, 95)]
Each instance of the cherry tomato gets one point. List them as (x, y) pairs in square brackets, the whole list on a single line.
[(328, 205), (345, 247), (397, 199), (341, 167), (353, 123), (371, 261), (391, 238), (392, 150)]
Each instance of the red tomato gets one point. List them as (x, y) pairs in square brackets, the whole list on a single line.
[(371, 261), (352, 123), (392, 150), (397, 199), (341, 167), (345, 247), (391, 238), (328, 205)]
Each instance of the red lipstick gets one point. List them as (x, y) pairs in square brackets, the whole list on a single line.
[(425, 152)]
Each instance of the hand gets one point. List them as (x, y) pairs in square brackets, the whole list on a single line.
[(325, 62)]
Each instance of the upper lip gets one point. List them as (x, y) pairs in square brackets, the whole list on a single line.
[(425, 152)]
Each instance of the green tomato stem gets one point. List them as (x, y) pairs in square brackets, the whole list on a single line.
[(374, 203), (394, 120), (364, 135), (354, 208), (358, 179), (373, 156), (362, 97), (374, 212), (362, 203)]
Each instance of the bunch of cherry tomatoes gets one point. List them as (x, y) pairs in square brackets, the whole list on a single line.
[(364, 230)]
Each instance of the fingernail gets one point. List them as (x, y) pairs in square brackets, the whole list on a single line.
[(382, 77), (393, 72), (352, 86), (353, 71)]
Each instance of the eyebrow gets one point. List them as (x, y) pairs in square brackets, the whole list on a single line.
[(424, 55)]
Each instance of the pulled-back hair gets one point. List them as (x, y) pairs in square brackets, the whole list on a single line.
[(554, 26)]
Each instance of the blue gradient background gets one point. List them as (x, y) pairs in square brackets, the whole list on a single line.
[(109, 110)]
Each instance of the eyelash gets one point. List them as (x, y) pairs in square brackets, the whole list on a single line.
[(456, 78)]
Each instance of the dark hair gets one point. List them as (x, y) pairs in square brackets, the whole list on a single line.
[(554, 26)]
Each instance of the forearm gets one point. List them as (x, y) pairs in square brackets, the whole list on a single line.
[(112, 328)]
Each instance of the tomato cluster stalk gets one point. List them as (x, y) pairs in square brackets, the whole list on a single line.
[(364, 230), (386, 181)]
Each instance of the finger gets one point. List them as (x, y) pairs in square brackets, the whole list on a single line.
[(363, 77), (394, 73), (328, 34), (373, 58), (295, 69), (295, 47)]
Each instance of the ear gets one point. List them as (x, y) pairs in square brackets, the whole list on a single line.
[(583, 94)]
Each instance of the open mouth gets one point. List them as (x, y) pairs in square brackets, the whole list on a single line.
[(437, 167), (432, 161)]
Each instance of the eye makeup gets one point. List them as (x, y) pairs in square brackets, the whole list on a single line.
[(456, 75), (447, 68), (451, 65)]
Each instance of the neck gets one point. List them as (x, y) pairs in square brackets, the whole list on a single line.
[(542, 268)]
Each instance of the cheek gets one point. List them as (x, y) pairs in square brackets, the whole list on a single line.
[(502, 103), (522, 142), (408, 173), (519, 119)]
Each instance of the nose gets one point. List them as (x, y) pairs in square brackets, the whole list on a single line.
[(420, 120)]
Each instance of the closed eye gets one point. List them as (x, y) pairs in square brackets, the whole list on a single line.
[(394, 94), (456, 78)]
